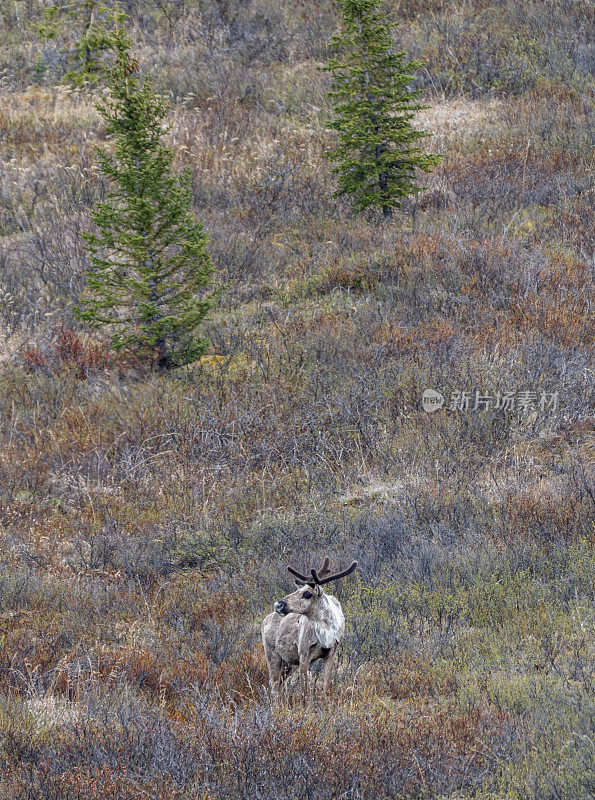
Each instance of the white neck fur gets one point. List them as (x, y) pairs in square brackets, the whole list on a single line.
[(328, 622)]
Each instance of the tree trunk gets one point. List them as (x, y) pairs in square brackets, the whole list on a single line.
[(163, 355), (383, 181), (163, 352)]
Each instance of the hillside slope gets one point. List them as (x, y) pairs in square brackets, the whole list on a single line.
[(146, 520)]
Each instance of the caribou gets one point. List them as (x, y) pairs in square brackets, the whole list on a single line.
[(306, 625)]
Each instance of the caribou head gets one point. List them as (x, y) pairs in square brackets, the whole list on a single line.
[(310, 591)]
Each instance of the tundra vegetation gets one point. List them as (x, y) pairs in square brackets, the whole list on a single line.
[(146, 518)]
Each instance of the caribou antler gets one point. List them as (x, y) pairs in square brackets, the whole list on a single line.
[(303, 580), (319, 577), (320, 580)]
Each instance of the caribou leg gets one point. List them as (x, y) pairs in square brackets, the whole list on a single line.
[(327, 670), (276, 672), (303, 668)]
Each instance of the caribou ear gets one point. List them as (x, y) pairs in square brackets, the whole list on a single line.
[(317, 590)]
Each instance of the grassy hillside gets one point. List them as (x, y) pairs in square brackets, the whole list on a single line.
[(146, 520)]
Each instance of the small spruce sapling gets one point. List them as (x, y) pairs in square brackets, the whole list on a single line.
[(150, 268), (376, 154), (86, 31)]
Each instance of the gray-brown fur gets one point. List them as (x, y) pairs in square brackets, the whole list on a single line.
[(305, 626)]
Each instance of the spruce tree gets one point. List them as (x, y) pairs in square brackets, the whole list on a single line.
[(376, 153), (150, 266), (87, 32)]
